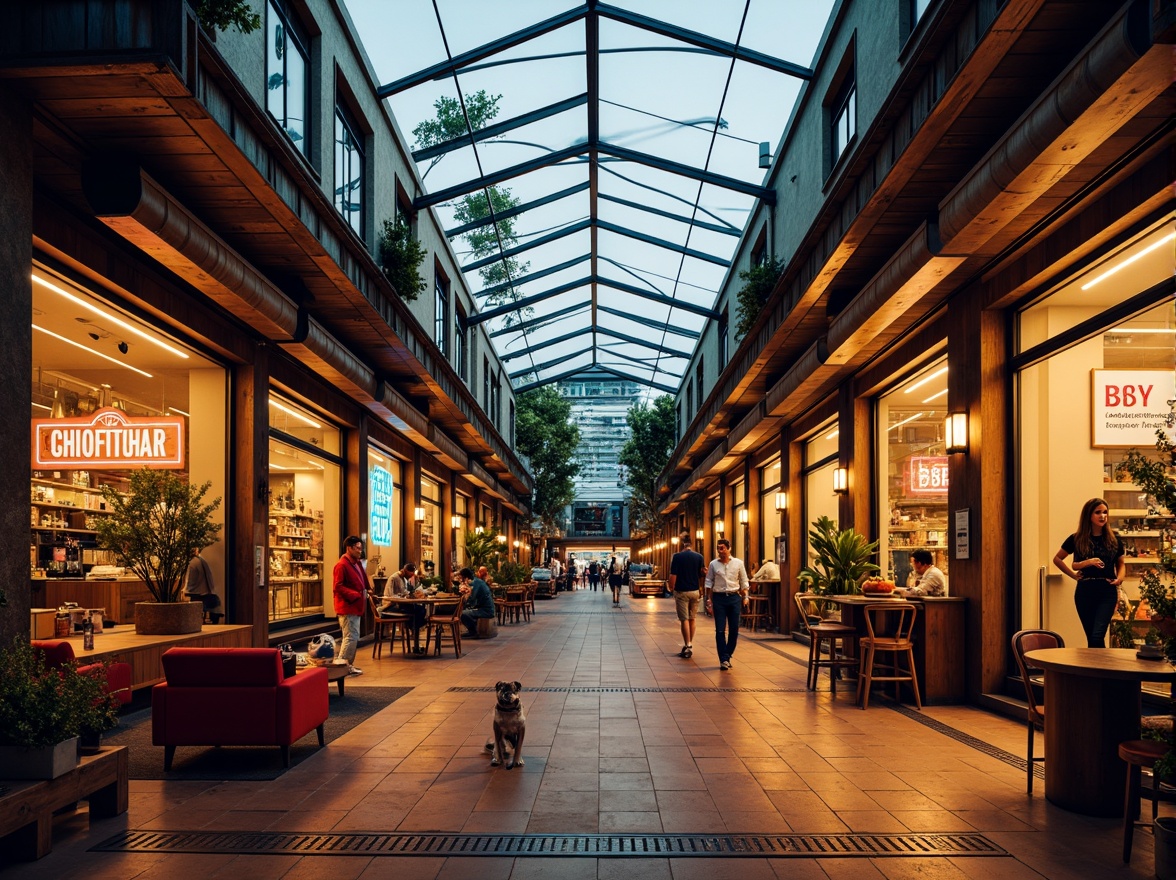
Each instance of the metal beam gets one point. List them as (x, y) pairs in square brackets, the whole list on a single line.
[(538, 345), (506, 254), (706, 41), (498, 128), (644, 343), (681, 218), (708, 313), (644, 362), (427, 200), (766, 194), (550, 380), (615, 372), (507, 308), (446, 68), (542, 320), (540, 273), (662, 243), (649, 322), (549, 364), (519, 209)]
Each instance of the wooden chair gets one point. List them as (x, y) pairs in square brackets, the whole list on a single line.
[(513, 607), (819, 632), (1032, 677), (757, 613), (1140, 753), (900, 617), (385, 627), (445, 616)]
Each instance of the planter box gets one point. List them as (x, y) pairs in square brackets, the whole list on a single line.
[(168, 618), (17, 762)]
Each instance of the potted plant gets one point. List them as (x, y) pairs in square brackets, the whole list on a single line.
[(43, 712), (842, 560), (153, 529)]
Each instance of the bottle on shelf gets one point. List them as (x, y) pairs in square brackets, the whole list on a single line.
[(88, 632)]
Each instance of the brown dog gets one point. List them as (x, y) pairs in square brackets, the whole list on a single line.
[(510, 724)]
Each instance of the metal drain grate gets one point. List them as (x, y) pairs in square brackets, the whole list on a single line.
[(563, 845), (968, 740), (634, 690)]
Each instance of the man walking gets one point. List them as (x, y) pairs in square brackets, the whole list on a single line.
[(349, 586), (685, 574), (726, 594)]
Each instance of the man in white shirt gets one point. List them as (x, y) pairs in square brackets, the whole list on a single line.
[(769, 571), (931, 581), (726, 594)]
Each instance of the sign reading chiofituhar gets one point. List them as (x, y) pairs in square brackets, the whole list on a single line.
[(109, 438)]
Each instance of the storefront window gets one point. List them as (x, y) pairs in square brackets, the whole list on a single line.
[(461, 509), (1081, 407), (912, 463), (769, 516), (737, 530), (718, 526), (90, 355), (820, 460), (430, 526), (385, 500), (305, 489)]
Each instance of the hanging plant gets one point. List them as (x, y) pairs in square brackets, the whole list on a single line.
[(759, 281), (401, 256)]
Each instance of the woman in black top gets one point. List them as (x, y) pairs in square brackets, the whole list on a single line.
[(1098, 568)]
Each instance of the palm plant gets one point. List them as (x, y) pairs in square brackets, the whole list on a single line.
[(842, 560)]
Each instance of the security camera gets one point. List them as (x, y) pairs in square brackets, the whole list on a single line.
[(123, 347)]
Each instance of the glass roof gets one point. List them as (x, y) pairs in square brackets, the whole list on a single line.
[(626, 139)]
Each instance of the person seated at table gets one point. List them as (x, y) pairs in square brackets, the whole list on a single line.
[(930, 581), (484, 574), (401, 584), (479, 601), (769, 571)]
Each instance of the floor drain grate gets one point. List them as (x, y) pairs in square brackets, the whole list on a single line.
[(563, 845), (634, 690), (968, 740)]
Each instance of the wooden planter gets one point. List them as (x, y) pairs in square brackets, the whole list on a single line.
[(168, 618), (17, 762)]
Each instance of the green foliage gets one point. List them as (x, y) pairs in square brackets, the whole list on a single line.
[(221, 14), (842, 560), (1153, 474), (43, 706), (759, 282), (480, 549), (154, 528), (401, 256), (547, 436), (449, 123), (513, 573), (644, 456)]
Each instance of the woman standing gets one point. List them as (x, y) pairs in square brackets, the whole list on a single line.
[(615, 574), (1098, 568)]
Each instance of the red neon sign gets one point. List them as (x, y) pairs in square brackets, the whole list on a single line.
[(926, 475)]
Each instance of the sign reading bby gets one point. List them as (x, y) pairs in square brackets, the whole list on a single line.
[(1129, 406), (926, 475), (109, 438)]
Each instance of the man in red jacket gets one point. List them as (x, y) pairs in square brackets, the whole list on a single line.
[(350, 585)]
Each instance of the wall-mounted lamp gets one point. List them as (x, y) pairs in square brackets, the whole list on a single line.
[(455, 521), (781, 501), (418, 513), (744, 517), (719, 527), (674, 541), (699, 534), (955, 432), (479, 530), (516, 545), (502, 539), (841, 480)]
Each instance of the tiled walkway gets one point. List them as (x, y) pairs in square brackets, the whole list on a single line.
[(623, 736)]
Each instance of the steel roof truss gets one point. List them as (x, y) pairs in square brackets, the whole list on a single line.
[(650, 322), (530, 245), (549, 364), (499, 128), (540, 321), (428, 200), (644, 343), (708, 313), (524, 302), (520, 209)]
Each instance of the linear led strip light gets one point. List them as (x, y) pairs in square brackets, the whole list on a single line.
[(925, 380), (106, 316), (290, 412), (1129, 260), (92, 351)]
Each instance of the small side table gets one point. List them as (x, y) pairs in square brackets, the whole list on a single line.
[(336, 672)]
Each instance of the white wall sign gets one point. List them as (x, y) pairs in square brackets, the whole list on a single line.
[(963, 533), (1128, 406)]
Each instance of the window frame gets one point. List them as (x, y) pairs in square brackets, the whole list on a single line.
[(345, 119), (442, 292), (293, 34)]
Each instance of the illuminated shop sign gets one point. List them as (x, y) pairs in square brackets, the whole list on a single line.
[(1129, 406), (109, 438), (381, 502), (926, 475)]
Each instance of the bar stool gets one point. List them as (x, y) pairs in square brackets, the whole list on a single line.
[(902, 621), (820, 632), (757, 613), (1139, 753)]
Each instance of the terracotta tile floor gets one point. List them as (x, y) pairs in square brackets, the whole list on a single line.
[(680, 760)]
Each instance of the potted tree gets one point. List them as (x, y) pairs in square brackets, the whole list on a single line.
[(842, 560), (43, 712), (153, 529)]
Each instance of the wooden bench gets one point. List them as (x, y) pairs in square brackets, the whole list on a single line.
[(27, 806)]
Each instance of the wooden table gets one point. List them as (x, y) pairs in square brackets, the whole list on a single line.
[(1093, 700), (26, 807), (938, 636), (429, 601)]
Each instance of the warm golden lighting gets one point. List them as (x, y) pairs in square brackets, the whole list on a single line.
[(719, 527), (418, 513), (840, 480), (781, 501), (455, 521), (699, 534), (744, 517), (955, 432)]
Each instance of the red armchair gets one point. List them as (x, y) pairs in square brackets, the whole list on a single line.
[(59, 652), (235, 697)]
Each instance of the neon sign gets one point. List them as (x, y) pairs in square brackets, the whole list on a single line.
[(109, 438), (381, 501), (926, 475)]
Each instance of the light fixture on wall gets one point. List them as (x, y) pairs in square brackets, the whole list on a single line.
[(502, 539), (455, 521), (841, 480), (674, 540), (478, 530), (516, 545), (744, 517), (781, 501), (955, 432), (719, 527), (699, 534), (418, 514)]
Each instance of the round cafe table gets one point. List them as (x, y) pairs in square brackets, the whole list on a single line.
[(1092, 705), (430, 602)]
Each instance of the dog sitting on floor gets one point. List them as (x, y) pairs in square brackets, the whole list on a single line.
[(510, 723)]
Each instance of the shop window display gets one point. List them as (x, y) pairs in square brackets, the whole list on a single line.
[(820, 460)]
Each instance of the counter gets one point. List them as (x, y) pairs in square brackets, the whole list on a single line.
[(118, 597)]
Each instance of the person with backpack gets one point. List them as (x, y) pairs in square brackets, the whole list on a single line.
[(616, 572)]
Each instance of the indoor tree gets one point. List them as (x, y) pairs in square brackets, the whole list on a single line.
[(547, 436), (644, 456)]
